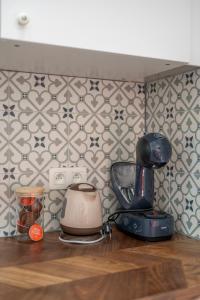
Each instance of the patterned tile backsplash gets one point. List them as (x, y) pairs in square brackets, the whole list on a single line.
[(50, 121), (173, 108)]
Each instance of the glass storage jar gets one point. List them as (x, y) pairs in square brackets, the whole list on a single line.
[(29, 213)]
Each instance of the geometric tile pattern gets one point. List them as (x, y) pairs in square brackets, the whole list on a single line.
[(51, 121), (173, 108)]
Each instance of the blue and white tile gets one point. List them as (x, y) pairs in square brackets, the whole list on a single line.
[(185, 141), (4, 142), (34, 92), (185, 202), (76, 121), (4, 90), (86, 145), (177, 83), (52, 212), (109, 88), (162, 188), (19, 87), (133, 90), (4, 205)]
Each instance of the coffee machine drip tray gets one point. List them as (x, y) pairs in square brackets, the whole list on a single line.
[(148, 225)]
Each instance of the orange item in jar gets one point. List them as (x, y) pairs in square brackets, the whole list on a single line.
[(36, 232), (27, 201)]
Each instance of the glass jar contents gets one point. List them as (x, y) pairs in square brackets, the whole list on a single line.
[(29, 213)]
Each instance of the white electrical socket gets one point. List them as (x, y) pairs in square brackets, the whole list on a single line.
[(61, 178)]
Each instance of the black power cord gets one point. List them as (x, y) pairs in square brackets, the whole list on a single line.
[(111, 218), (107, 226)]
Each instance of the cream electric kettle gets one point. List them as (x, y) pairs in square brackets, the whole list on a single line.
[(82, 212)]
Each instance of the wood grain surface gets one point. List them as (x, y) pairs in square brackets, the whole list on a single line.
[(120, 269)]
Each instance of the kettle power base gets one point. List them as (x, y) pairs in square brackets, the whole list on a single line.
[(80, 231), (148, 226)]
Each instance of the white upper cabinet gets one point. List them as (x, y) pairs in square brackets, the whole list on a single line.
[(110, 38), (195, 32), (148, 28)]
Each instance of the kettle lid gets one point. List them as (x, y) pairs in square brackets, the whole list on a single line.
[(82, 187)]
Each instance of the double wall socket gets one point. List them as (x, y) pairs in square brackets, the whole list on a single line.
[(61, 178)]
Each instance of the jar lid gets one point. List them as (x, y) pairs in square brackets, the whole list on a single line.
[(27, 190)]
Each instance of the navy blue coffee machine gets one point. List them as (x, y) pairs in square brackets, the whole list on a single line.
[(133, 185)]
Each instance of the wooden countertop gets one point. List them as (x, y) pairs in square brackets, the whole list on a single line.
[(120, 269)]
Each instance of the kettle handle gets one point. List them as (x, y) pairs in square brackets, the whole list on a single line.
[(84, 187)]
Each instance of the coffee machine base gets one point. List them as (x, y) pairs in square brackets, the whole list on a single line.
[(148, 226)]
